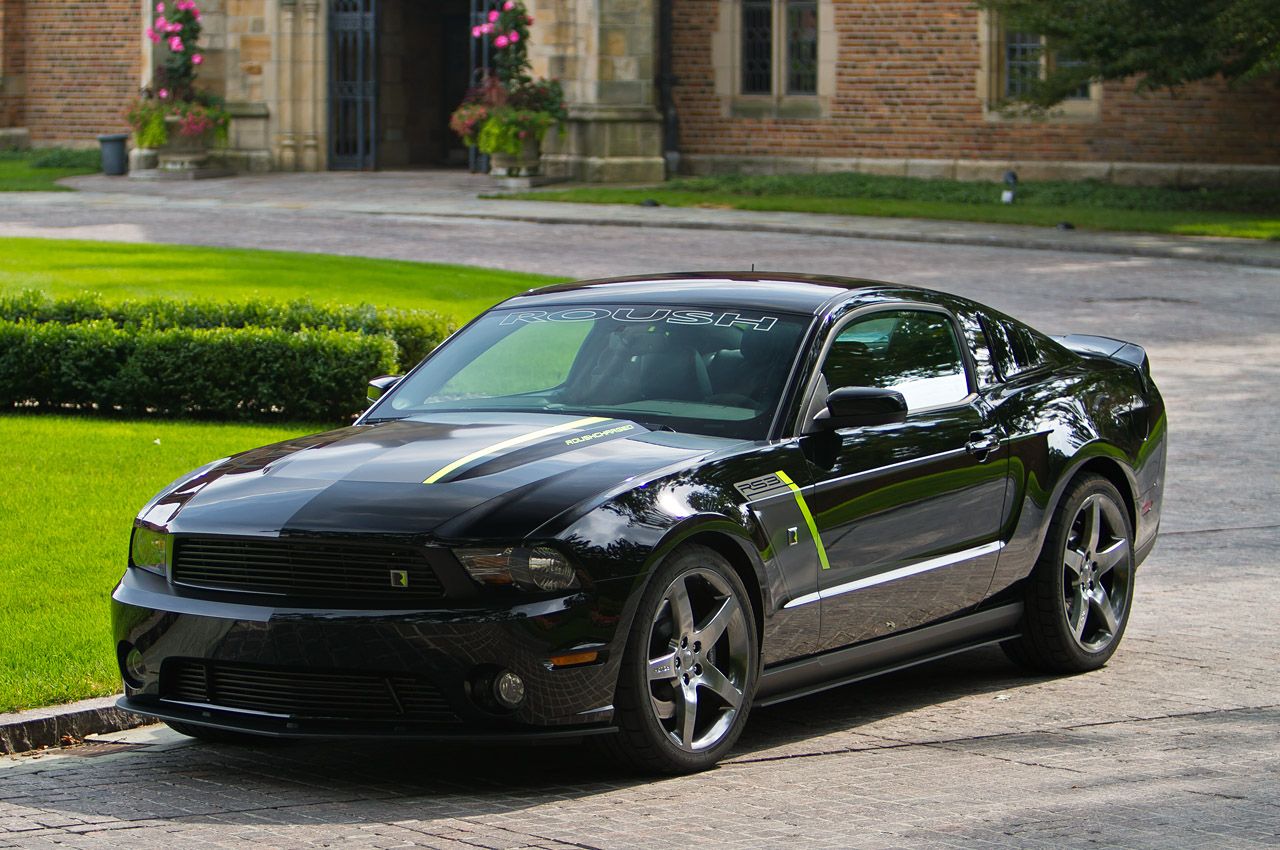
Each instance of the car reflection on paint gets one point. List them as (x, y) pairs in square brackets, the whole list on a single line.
[(629, 510)]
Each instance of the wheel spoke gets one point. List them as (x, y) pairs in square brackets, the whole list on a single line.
[(1073, 561), (719, 684), (1078, 613), (711, 631), (663, 668), (687, 714), (1102, 601), (1093, 527), (1113, 555), (681, 610)]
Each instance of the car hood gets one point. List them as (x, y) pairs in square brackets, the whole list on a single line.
[(492, 476)]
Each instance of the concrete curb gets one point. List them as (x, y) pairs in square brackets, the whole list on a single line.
[(45, 727), (1207, 251)]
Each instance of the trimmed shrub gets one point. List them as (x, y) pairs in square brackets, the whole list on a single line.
[(416, 332), (222, 372)]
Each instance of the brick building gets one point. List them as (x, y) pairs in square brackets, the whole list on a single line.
[(891, 86)]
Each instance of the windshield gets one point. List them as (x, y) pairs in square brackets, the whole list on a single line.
[(706, 371)]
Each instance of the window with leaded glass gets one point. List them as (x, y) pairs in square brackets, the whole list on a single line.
[(757, 46), (802, 47), (779, 47)]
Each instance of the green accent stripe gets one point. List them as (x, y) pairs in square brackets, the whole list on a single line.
[(512, 443), (808, 518)]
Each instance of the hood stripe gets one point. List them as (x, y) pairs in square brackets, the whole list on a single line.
[(511, 443)]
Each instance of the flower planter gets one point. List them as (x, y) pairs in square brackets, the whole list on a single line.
[(523, 164), (183, 153)]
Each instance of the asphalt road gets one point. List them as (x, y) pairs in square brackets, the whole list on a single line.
[(1174, 744)]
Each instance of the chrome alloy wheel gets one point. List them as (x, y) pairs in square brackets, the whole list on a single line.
[(699, 652), (1096, 567)]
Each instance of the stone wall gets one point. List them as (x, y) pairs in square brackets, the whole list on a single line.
[(69, 68), (910, 85)]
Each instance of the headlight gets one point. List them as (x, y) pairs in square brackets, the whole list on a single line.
[(540, 568), (149, 550)]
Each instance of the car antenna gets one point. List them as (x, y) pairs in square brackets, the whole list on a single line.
[(753, 266)]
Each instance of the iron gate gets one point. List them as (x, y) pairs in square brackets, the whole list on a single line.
[(353, 84), (353, 80)]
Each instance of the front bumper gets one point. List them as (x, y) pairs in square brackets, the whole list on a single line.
[(212, 659)]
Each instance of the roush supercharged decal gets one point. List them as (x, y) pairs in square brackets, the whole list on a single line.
[(654, 315)]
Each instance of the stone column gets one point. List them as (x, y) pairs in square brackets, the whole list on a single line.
[(312, 85), (604, 51), (286, 140)]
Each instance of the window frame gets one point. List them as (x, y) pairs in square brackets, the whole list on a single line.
[(837, 326), (728, 57), (993, 78)]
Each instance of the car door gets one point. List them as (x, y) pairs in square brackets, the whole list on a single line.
[(908, 512)]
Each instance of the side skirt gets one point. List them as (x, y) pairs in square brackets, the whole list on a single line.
[(795, 679)]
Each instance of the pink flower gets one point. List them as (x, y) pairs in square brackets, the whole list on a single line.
[(513, 37), (159, 8), (197, 59), (476, 32), (508, 6), (162, 23), (486, 28), (528, 19), (493, 16), (176, 45), (500, 41), (153, 35), (163, 94)]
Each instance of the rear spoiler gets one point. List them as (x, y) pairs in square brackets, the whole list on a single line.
[(1112, 349)]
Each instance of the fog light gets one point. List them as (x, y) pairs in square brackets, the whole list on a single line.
[(134, 668), (508, 689)]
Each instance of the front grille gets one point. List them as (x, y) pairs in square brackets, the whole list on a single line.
[(320, 695), (337, 571)]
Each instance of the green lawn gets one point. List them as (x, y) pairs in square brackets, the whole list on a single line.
[(1246, 212), (36, 170), (119, 271), (69, 488)]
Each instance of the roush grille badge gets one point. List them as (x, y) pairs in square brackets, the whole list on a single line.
[(399, 578)]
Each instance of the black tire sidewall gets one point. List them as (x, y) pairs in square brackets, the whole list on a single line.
[(640, 729), (1049, 637)]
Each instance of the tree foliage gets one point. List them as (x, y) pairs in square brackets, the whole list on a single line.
[(1163, 43)]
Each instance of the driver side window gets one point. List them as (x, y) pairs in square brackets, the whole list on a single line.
[(914, 352)]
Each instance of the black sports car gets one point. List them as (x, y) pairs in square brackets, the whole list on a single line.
[(635, 507)]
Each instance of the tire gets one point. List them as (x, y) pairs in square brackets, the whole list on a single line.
[(216, 736), (692, 644), (1080, 592)]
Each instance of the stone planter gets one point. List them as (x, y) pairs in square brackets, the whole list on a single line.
[(183, 153), (523, 164)]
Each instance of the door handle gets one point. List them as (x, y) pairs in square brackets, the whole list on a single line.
[(982, 443)]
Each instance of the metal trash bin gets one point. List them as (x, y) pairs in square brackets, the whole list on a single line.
[(115, 160)]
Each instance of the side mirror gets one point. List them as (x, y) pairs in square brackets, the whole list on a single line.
[(852, 407), (379, 386)]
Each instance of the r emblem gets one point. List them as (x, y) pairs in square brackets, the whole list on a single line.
[(399, 578)]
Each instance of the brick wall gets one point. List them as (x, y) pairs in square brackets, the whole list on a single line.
[(80, 64), (906, 86)]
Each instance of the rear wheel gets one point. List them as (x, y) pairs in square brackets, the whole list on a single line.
[(690, 666), (1081, 590)]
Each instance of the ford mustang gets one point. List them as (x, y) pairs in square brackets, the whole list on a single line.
[(634, 508)]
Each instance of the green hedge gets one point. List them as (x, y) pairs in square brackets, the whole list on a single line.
[(219, 372), (416, 332)]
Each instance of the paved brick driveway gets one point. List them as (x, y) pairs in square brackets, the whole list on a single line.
[(1175, 743)]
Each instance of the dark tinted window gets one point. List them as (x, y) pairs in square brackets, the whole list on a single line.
[(1015, 347), (912, 351)]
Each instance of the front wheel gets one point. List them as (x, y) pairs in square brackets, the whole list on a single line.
[(1081, 590), (690, 666)]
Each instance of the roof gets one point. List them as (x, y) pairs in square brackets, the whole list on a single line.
[(796, 293)]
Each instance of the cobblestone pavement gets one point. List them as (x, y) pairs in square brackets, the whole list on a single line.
[(1174, 744)]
